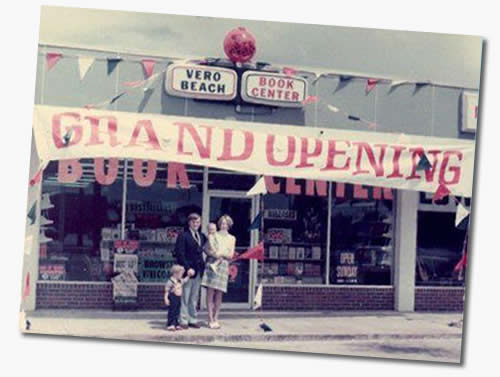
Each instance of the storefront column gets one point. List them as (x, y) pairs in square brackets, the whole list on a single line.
[(405, 250)]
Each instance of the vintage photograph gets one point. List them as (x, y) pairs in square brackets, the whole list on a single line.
[(250, 184)]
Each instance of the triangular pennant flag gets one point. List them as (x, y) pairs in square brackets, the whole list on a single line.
[(461, 214), (257, 301), (352, 117), (52, 58), (256, 252), (26, 290), (333, 108), (310, 99), (462, 263), (441, 192), (134, 84), (32, 214), (256, 222), (148, 66), (258, 188), (370, 84), (112, 63), (84, 63), (344, 78), (289, 71), (419, 85), (424, 163), (113, 100), (395, 83)]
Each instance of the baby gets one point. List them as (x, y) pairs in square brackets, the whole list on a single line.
[(213, 245), (173, 294)]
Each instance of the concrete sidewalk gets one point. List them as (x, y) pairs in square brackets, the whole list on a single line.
[(243, 326)]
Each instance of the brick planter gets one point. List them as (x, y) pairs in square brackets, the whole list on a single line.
[(439, 299), (278, 297)]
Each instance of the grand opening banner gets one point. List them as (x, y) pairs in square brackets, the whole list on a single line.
[(369, 158)]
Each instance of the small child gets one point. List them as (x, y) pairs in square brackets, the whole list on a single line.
[(173, 294), (212, 244)]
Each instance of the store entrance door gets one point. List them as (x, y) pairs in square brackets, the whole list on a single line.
[(242, 210)]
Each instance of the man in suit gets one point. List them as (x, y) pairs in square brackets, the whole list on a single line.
[(189, 253)]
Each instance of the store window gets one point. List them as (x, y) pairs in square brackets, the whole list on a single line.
[(440, 244), (220, 179), (361, 250), (79, 200), (295, 231), (160, 197)]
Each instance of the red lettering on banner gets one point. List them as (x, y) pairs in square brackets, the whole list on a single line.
[(57, 135), (292, 187), (94, 130), (304, 152), (150, 132), (177, 173), (340, 190), (333, 152), (320, 186), (378, 191), (228, 145), (203, 150), (144, 180), (101, 176), (271, 186), (396, 173), (270, 151), (360, 192), (69, 171), (456, 170), (378, 167)]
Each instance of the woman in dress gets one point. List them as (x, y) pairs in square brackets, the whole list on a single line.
[(219, 249)]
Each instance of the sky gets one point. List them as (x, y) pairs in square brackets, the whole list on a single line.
[(442, 58)]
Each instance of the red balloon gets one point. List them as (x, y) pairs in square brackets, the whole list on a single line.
[(240, 45)]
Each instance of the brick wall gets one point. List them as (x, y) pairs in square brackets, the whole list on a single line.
[(327, 298), (435, 299), (74, 296)]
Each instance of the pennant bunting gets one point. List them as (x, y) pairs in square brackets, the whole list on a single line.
[(26, 290), (395, 83), (134, 84), (333, 108), (345, 78), (36, 178), (289, 71), (52, 58), (112, 63), (258, 188), (310, 99), (84, 63), (256, 252), (115, 98), (370, 84), (461, 214), (67, 136), (424, 163), (32, 213), (256, 222), (462, 263), (257, 301), (317, 76), (28, 244), (441, 192), (352, 117), (148, 66)]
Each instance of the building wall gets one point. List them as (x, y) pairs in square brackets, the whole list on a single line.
[(437, 299), (429, 111)]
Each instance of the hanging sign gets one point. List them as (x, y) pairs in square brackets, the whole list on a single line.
[(469, 111), (201, 82), (124, 262), (367, 158), (273, 89)]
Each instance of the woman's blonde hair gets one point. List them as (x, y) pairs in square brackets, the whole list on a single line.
[(176, 268), (228, 219)]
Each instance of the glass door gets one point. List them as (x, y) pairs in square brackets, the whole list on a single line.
[(240, 208)]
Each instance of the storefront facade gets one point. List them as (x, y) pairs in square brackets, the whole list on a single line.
[(328, 245)]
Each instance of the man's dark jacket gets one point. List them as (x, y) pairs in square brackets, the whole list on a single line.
[(189, 254)]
